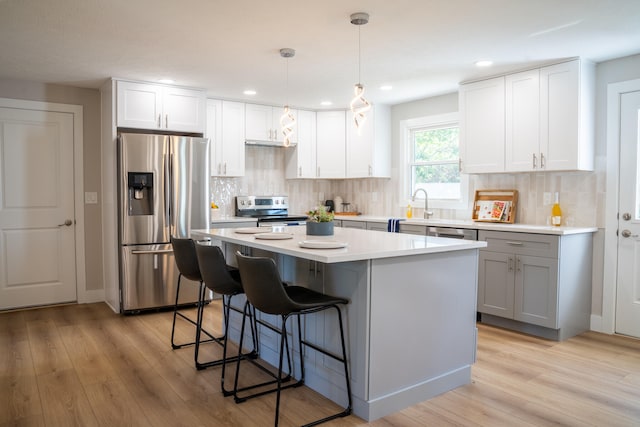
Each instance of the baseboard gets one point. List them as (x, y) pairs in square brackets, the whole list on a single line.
[(89, 297), (596, 324)]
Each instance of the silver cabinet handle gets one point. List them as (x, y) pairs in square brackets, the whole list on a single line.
[(66, 223), (300, 171), (166, 121), (510, 265), (225, 168), (460, 163), (514, 243), (518, 263), (535, 161), (541, 160), (318, 172), (159, 120), (370, 170)]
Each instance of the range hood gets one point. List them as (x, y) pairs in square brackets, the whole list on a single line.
[(269, 143)]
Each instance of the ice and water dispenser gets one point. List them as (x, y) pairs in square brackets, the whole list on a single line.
[(140, 193)]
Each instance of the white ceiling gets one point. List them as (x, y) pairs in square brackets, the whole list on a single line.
[(420, 47)]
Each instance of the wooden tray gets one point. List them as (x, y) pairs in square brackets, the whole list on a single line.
[(495, 206)]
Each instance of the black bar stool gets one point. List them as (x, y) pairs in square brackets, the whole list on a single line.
[(265, 291)]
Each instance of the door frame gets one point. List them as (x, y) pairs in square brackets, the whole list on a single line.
[(610, 273), (82, 295)]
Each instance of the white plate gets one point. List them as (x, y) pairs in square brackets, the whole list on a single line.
[(322, 244), (274, 236), (252, 230)]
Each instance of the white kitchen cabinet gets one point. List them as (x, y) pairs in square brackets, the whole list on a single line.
[(567, 115), (549, 118), (263, 123), (331, 144), (522, 123), (368, 151), (534, 283), (149, 106), (225, 129), (300, 160), (482, 126)]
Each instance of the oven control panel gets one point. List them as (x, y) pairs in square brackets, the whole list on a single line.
[(259, 203)]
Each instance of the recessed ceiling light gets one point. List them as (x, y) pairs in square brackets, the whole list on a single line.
[(166, 81), (386, 87), (484, 63), (249, 92), (326, 103)]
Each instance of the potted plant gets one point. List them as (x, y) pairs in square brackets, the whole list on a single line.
[(320, 222)]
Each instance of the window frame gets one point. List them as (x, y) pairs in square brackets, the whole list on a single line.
[(406, 128)]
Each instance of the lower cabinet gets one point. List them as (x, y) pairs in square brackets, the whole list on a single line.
[(539, 284)]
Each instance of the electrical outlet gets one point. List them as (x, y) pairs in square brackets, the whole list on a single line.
[(547, 199)]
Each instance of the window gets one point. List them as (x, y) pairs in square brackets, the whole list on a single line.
[(432, 153)]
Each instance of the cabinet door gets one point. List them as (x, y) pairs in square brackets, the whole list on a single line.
[(536, 291), (184, 109), (559, 124), (139, 105), (213, 131), (482, 126), (522, 125), (301, 159), (330, 151), (233, 146), (359, 147), (259, 123), (496, 283)]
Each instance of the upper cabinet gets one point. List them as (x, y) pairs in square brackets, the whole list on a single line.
[(547, 120), (301, 159), (331, 144), (150, 106), (482, 126), (263, 123), (225, 129), (368, 151)]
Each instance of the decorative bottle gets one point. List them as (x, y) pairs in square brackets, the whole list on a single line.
[(556, 213)]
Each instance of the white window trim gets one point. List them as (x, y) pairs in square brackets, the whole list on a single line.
[(405, 133)]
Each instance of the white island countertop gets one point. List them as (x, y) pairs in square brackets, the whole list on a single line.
[(360, 244)]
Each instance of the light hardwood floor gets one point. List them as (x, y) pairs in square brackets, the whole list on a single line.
[(84, 365)]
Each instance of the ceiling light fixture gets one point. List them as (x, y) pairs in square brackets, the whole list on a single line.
[(326, 103), (249, 92), (359, 105), (166, 81), (386, 87), (287, 120), (484, 63)]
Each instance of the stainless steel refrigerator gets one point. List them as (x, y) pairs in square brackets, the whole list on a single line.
[(163, 191)]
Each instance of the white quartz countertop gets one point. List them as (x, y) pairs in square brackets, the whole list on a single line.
[(517, 228), (361, 244)]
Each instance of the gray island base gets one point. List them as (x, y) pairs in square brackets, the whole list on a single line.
[(410, 322)]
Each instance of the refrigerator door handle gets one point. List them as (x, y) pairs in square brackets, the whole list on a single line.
[(167, 190), (163, 251)]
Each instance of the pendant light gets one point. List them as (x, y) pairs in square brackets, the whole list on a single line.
[(287, 120), (359, 105)]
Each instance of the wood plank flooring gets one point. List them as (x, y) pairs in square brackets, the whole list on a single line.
[(84, 365)]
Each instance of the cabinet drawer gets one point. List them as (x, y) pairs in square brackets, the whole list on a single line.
[(420, 230), (521, 243)]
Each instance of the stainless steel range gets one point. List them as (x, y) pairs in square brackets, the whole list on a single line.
[(268, 210)]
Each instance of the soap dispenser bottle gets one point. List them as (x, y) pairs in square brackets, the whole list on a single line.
[(556, 213)]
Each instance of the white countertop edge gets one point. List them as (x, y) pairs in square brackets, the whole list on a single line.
[(290, 246), (516, 228)]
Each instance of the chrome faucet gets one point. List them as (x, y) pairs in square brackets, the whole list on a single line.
[(427, 212)]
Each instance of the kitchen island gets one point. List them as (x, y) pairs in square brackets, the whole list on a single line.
[(410, 323)]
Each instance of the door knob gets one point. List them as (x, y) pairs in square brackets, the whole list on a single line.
[(627, 233), (626, 216), (68, 222)]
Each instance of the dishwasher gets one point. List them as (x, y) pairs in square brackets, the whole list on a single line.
[(453, 233)]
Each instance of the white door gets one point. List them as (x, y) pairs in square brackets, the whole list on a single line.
[(37, 249), (628, 288)]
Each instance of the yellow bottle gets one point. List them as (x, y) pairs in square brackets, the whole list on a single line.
[(409, 211), (556, 213)]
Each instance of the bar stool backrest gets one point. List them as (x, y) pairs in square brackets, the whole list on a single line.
[(263, 286), (184, 252), (215, 273)]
